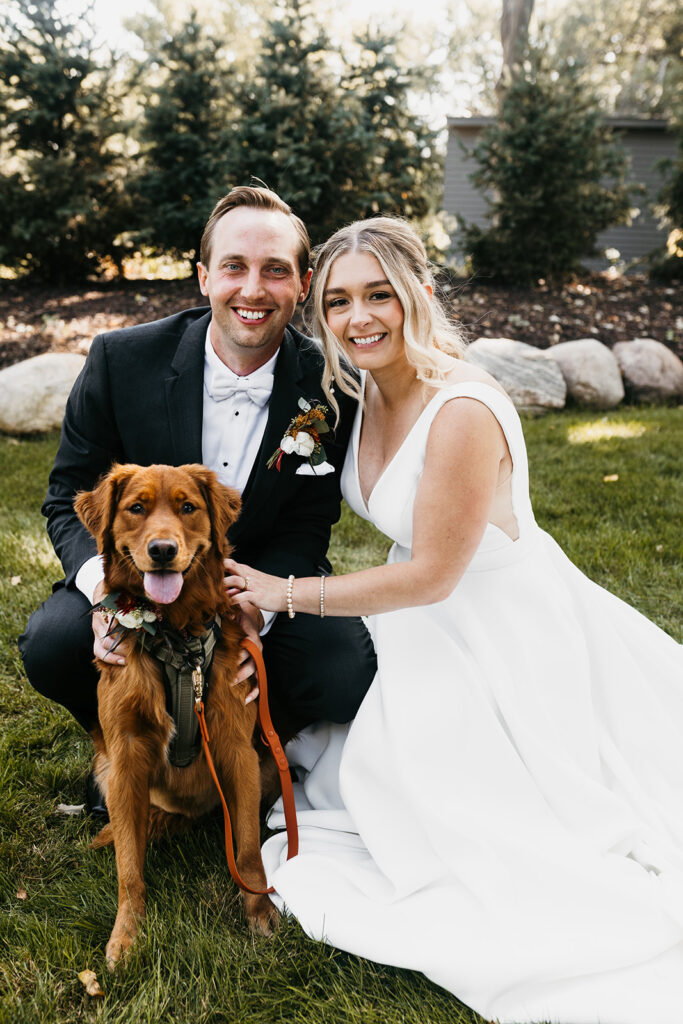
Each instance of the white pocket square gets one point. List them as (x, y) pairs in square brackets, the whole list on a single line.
[(306, 469)]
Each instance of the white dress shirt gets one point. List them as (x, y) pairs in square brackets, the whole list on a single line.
[(232, 431), (233, 428)]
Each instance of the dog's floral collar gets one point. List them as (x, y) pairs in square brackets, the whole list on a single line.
[(126, 613), (302, 436), (134, 613)]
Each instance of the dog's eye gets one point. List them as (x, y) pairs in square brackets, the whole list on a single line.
[(188, 507), (136, 508)]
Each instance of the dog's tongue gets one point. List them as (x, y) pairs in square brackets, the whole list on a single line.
[(163, 587)]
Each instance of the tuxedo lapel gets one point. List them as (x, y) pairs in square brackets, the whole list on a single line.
[(184, 394), (283, 406)]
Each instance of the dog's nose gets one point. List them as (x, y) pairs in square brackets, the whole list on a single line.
[(162, 551)]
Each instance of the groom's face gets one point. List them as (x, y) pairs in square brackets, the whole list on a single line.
[(253, 283)]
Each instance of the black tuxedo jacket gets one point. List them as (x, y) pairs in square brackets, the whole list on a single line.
[(139, 399)]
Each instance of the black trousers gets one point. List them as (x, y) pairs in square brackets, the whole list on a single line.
[(318, 669)]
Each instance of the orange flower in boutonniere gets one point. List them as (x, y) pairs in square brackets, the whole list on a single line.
[(302, 436)]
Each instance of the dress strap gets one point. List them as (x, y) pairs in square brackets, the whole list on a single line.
[(506, 414)]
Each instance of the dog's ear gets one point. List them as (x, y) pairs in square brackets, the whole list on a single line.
[(223, 503), (96, 509)]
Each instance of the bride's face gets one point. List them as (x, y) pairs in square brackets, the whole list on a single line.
[(363, 311)]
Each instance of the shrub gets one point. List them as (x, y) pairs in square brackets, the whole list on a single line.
[(667, 264), (554, 174), (63, 197)]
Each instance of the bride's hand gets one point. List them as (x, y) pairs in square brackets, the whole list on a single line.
[(249, 586)]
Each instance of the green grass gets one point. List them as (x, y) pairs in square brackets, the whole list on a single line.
[(625, 534), (197, 961)]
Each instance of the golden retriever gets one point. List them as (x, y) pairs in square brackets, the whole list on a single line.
[(162, 533)]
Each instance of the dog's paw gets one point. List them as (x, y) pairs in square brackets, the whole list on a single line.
[(105, 837), (263, 916), (117, 947), (123, 936)]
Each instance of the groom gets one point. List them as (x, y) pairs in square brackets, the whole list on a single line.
[(217, 386)]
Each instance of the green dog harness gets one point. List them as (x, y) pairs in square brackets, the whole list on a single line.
[(181, 654)]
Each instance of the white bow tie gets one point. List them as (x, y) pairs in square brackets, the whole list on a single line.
[(257, 386)]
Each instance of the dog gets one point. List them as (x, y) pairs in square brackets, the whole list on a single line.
[(161, 531)]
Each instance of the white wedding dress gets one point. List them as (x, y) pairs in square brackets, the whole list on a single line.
[(505, 814)]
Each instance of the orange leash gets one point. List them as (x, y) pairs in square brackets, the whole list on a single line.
[(272, 739)]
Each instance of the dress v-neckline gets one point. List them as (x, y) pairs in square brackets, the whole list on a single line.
[(361, 417)]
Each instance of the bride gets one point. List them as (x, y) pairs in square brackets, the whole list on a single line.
[(505, 814)]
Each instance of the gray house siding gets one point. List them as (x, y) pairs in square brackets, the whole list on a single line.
[(460, 198), (645, 142)]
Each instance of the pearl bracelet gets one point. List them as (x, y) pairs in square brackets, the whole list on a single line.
[(290, 588), (322, 597)]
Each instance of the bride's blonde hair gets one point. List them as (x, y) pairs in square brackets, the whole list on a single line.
[(428, 333)]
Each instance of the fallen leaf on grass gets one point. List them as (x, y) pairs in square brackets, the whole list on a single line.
[(15, 580), (92, 985), (612, 478), (22, 894), (69, 809)]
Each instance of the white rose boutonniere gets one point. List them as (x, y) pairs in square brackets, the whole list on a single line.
[(303, 434), (304, 444)]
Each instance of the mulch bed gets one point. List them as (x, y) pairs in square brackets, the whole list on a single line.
[(37, 319)]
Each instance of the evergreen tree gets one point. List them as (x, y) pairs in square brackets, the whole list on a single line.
[(62, 174), (667, 263), (403, 168), (555, 176), (181, 137), (296, 130), (335, 138)]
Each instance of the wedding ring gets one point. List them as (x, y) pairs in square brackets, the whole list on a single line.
[(246, 583)]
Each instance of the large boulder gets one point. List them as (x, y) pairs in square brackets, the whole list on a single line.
[(532, 379), (590, 371), (33, 393), (651, 371)]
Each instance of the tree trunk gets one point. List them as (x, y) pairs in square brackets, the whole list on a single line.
[(514, 33)]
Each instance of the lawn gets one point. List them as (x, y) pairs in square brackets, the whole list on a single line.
[(609, 489)]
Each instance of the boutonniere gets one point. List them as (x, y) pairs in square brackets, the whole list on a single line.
[(133, 613), (302, 436)]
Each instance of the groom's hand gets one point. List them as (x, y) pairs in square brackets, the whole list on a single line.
[(107, 646), (251, 624), (251, 620)]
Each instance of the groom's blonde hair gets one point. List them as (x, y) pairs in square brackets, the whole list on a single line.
[(256, 198), (427, 330)]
